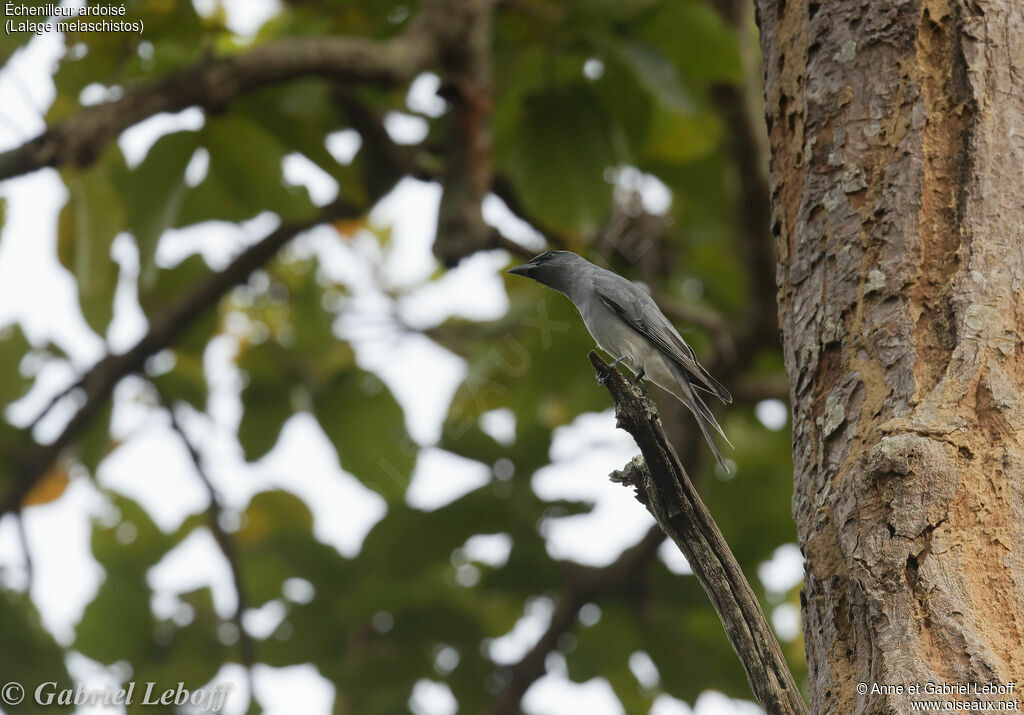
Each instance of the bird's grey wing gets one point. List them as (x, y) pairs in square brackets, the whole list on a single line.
[(641, 313)]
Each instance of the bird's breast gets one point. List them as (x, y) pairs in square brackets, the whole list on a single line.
[(616, 338)]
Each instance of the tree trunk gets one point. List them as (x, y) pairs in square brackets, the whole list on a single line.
[(897, 139)]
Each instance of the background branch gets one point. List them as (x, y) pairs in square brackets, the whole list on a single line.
[(80, 139), (469, 88), (587, 585), (746, 143), (246, 649), (665, 489), (26, 552), (99, 382)]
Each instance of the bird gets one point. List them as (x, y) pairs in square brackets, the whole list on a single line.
[(628, 325)]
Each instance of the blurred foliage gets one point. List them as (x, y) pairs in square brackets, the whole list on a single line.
[(583, 88)]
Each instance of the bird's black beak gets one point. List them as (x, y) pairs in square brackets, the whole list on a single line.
[(523, 270)]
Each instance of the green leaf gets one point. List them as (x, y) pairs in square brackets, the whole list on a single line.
[(276, 542), (88, 223), (368, 18), (244, 176), (192, 654), (702, 204), (153, 193), (629, 105), (118, 623), (147, 543), (14, 443), (177, 35), (679, 139), (606, 645), (300, 357), (657, 74), (266, 398), (696, 38), (396, 545), (94, 443), (299, 115), (462, 435), (271, 511), (169, 286), (367, 427), (13, 348), (30, 655), (683, 138), (382, 678), (558, 156), (312, 325), (186, 381), (77, 71), (628, 690)]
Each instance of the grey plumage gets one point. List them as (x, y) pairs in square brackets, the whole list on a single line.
[(627, 323)]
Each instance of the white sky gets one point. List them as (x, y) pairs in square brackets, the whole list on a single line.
[(37, 293)]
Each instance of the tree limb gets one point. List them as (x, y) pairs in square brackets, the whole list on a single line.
[(665, 489), (80, 139), (630, 565)]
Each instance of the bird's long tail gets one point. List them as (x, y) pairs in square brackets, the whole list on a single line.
[(704, 418)]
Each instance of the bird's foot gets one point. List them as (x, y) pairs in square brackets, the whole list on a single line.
[(614, 363)]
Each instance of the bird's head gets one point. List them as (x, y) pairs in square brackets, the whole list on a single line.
[(551, 268)]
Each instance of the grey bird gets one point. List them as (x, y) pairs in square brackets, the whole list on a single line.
[(627, 324)]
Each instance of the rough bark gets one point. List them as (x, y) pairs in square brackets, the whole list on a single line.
[(897, 138)]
